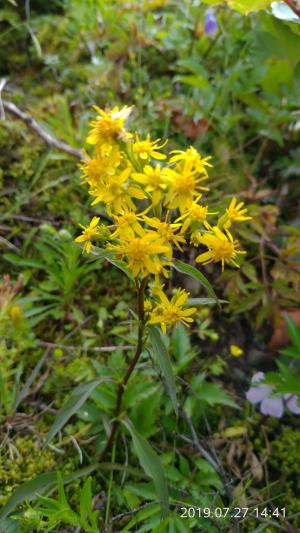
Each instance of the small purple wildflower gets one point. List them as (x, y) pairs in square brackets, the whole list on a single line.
[(211, 24), (269, 404), (292, 403)]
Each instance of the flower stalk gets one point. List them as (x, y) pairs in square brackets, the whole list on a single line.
[(121, 387)]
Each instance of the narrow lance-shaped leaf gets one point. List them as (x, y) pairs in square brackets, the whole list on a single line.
[(85, 501), (31, 379), (293, 331), (161, 354), (191, 271), (204, 301), (72, 405), (39, 485), (104, 254), (151, 464)]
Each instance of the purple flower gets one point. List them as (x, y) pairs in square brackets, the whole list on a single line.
[(269, 404), (211, 24), (272, 406), (292, 402)]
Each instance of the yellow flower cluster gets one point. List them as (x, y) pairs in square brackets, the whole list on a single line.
[(156, 204)]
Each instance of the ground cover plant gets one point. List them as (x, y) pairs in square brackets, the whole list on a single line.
[(149, 233)]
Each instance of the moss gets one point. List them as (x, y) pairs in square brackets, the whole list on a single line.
[(283, 462), (16, 157), (22, 460)]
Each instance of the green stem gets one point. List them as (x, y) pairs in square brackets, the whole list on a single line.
[(123, 383), (113, 458)]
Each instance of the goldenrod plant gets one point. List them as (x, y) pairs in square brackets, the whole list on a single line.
[(157, 204)]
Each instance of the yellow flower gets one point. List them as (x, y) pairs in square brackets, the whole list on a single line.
[(183, 187), (156, 288), (96, 169), (90, 232), (196, 215), (167, 233), (116, 192), (171, 312), (236, 351), (234, 213), (147, 148), (154, 182), (191, 160), (147, 5), (221, 248), (142, 254), (109, 126), (16, 315), (127, 225)]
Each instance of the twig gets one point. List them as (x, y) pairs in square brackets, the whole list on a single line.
[(91, 349), (51, 141), (294, 6), (24, 218), (2, 112), (216, 465), (272, 523), (76, 445), (201, 449), (8, 244), (263, 263)]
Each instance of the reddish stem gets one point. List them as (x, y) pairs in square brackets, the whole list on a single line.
[(122, 384)]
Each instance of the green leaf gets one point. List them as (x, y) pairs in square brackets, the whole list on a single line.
[(121, 266), (151, 464), (213, 394), (72, 405), (287, 41), (31, 379), (195, 81), (191, 271), (204, 301), (213, 2), (85, 501), (293, 331), (105, 255), (161, 354), (39, 485), (243, 6), (9, 526), (28, 490), (19, 261), (246, 6)]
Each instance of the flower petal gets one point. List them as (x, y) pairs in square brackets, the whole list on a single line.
[(272, 406), (293, 404), (259, 393)]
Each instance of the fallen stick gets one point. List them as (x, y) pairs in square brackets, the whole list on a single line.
[(51, 141)]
